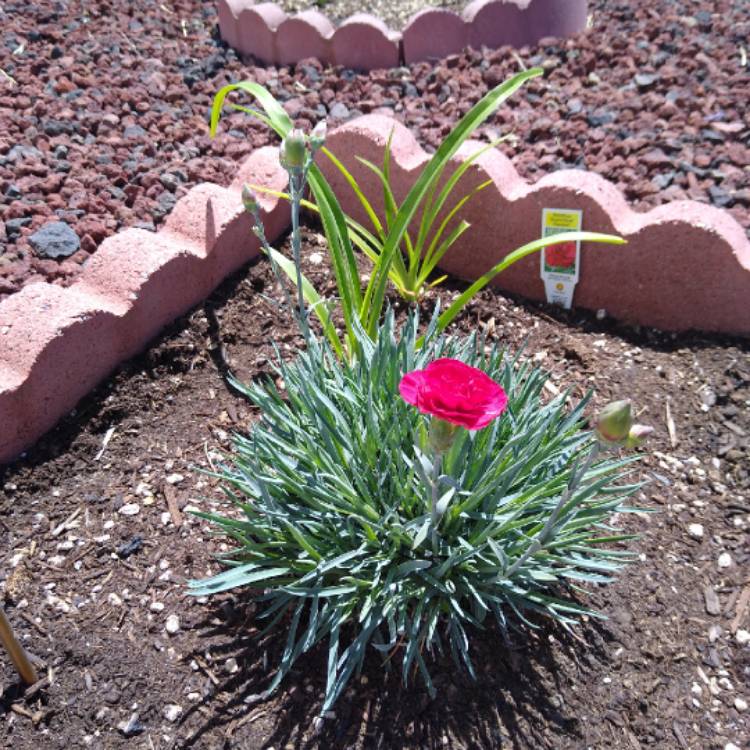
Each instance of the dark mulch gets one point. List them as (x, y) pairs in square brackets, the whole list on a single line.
[(103, 110), (91, 584)]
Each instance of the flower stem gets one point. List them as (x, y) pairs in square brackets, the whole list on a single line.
[(543, 535), (296, 189), (434, 520)]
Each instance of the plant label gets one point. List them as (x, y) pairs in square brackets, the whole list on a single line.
[(561, 263)]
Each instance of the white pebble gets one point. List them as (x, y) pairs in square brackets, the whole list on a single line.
[(743, 637), (725, 560), (731, 746), (130, 509), (172, 712), (696, 689), (175, 478), (231, 665), (714, 633), (696, 530), (156, 606), (114, 600), (740, 704), (172, 625), (316, 258)]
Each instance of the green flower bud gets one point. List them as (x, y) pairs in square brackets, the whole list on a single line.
[(318, 135), (638, 433), (614, 421), (250, 200), (441, 435), (294, 150)]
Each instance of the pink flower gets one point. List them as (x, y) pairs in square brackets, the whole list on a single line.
[(454, 392)]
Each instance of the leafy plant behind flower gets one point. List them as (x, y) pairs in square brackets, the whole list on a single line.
[(335, 488), (364, 307), (422, 253)]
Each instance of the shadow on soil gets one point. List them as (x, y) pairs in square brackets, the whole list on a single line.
[(514, 703)]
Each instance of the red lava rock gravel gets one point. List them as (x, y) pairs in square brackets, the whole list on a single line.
[(103, 111)]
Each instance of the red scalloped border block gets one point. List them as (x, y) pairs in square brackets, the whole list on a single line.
[(57, 343), (687, 266), (364, 42)]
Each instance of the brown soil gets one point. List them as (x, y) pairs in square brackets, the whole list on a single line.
[(665, 670)]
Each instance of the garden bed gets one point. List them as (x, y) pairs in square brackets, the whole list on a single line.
[(98, 544), (98, 540)]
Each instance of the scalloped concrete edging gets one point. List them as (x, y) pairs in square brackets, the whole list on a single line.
[(56, 344), (364, 42), (687, 266)]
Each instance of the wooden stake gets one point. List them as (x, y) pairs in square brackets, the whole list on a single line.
[(15, 651)]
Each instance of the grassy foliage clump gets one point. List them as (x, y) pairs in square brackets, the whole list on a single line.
[(332, 485)]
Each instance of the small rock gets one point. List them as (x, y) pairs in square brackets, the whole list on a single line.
[(704, 20), (130, 548), (646, 80), (172, 712), (172, 625), (231, 665), (600, 117), (714, 633), (655, 158), (55, 240), (725, 560), (134, 131), (175, 478), (696, 530), (719, 197), (130, 509), (13, 226), (740, 704), (339, 111), (713, 607), (131, 727), (743, 637)]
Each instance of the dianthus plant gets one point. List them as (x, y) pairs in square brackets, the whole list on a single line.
[(360, 525)]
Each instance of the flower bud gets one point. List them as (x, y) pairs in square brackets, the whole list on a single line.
[(441, 435), (614, 422), (318, 135), (638, 433), (250, 200), (294, 150)]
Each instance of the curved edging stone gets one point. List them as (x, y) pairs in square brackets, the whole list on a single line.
[(57, 343), (365, 42), (686, 265)]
